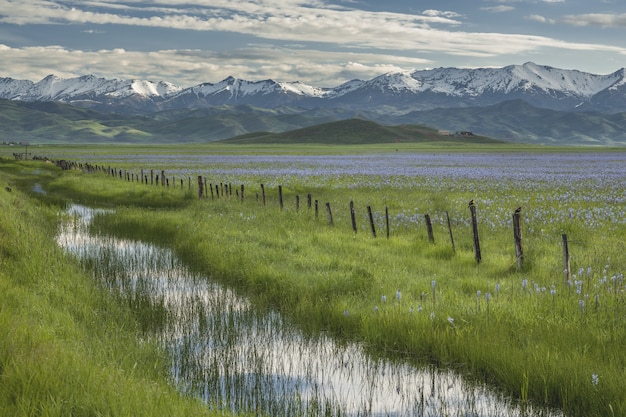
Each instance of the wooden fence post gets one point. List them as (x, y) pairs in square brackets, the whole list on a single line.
[(353, 216), (517, 236), (429, 228), (242, 190), (329, 214), (280, 195), (450, 231), (263, 194), (151, 177), (308, 200), (477, 254), (373, 227), (200, 186), (297, 203), (162, 177), (316, 209), (566, 261), (387, 220)]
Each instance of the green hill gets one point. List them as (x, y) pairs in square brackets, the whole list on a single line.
[(355, 131)]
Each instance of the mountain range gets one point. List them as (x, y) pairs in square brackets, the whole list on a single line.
[(525, 103)]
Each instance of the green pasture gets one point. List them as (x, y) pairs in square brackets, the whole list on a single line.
[(528, 333)]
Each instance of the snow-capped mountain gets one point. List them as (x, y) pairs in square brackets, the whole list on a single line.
[(541, 86)]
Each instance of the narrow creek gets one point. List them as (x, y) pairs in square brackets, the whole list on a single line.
[(236, 358)]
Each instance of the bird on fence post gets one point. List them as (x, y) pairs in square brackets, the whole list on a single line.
[(471, 203), (518, 210)]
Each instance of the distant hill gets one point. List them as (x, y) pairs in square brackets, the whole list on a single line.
[(356, 131)]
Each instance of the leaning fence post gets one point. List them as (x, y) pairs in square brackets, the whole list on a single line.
[(329, 213), (387, 220), (429, 228), (566, 261), (477, 254), (353, 216), (450, 231), (517, 236), (373, 227)]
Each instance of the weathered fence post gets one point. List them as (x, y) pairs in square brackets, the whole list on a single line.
[(329, 214), (387, 220), (200, 186), (353, 216), (151, 177), (477, 254), (373, 227), (308, 200), (517, 236), (263, 194), (429, 228), (242, 190), (316, 209), (280, 195), (162, 177), (450, 231), (566, 262)]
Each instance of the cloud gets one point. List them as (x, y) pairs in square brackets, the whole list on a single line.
[(190, 67), (596, 19), (540, 19), (498, 9)]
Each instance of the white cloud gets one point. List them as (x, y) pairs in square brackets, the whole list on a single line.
[(498, 9), (540, 19), (596, 19), (190, 67)]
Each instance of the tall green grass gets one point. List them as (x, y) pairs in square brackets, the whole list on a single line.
[(530, 343), (66, 347)]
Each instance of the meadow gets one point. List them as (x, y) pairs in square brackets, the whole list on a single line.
[(532, 333)]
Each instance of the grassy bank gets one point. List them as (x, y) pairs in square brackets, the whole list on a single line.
[(66, 347)]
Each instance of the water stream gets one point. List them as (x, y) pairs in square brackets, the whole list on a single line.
[(240, 359)]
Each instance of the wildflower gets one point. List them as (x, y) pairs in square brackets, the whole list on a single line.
[(419, 309), (375, 309), (432, 315), (553, 290), (433, 283), (450, 320), (398, 295), (524, 284), (487, 296), (478, 293), (595, 379), (345, 313), (383, 298), (411, 311)]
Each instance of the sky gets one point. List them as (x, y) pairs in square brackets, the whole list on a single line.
[(322, 43)]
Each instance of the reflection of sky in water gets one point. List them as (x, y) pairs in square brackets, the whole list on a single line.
[(224, 349)]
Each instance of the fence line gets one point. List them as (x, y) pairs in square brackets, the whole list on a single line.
[(226, 190)]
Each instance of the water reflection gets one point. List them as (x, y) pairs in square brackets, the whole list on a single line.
[(240, 359)]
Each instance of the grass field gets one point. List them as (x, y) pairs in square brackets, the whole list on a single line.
[(530, 333)]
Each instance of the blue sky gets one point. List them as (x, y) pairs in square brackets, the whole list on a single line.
[(319, 42)]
